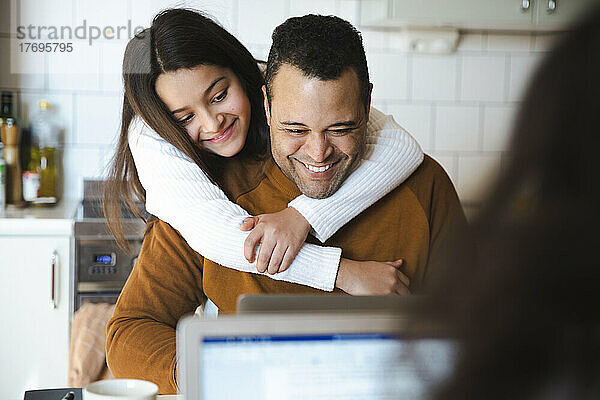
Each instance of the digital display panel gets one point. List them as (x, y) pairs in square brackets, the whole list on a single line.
[(105, 259)]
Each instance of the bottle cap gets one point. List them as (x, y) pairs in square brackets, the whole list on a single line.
[(43, 104)]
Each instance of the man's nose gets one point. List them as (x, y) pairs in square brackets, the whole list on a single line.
[(317, 146), (210, 122)]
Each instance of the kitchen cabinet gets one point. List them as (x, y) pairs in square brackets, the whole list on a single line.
[(557, 14), (503, 15), (35, 274)]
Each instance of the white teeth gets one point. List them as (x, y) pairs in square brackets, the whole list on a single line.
[(317, 169)]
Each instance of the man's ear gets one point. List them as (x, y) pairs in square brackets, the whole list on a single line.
[(369, 100), (267, 106)]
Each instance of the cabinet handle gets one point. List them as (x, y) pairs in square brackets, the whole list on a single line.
[(551, 6), (53, 268), (525, 5)]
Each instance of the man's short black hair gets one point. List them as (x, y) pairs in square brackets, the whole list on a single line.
[(322, 47)]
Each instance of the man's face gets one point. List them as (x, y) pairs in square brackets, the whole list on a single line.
[(317, 128)]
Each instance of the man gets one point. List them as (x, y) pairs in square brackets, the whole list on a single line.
[(317, 100)]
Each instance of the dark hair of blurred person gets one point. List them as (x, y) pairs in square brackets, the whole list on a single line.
[(525, 306)]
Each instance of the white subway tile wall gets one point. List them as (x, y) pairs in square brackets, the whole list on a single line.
[(303, 7), (483, 78), (521, 67), (107, 13), (389, 74), (96, 121), (46, 13), (223, 11), (434, 78), (457, 128), (111, 57), (498, 123), (24, 64), (460, 107), (256, 23), (75, 73), (349, 10)]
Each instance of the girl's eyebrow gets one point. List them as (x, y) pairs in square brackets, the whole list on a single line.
[(212, 85), (206, 92)]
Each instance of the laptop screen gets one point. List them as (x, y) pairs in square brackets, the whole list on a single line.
[(348, 366)]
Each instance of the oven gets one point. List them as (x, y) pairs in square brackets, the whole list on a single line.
[(101, 266)]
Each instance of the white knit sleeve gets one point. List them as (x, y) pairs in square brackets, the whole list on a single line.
[(391, 156), (179, 193)]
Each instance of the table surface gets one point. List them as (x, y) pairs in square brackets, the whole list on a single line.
[(169, 397)]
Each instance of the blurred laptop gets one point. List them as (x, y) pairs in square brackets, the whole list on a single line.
[(373, 355), (258, 303)]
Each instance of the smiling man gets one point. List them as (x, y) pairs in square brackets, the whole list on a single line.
[(317, 102)]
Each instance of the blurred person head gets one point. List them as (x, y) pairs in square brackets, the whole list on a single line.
[(317, 99), (198, 87), (525, 304)]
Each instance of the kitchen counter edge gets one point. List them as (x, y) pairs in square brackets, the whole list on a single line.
[(39, 220)]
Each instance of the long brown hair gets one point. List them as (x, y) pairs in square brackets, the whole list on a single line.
[(178, 38)]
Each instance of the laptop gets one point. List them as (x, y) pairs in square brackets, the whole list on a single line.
[(374, 355), (258, 303)]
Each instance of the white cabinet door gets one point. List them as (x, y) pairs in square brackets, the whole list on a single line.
[(470, 14), (463, 12), (559, 14), (517, 15), (34, 339)]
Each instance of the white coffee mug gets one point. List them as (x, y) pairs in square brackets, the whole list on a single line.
[(121, 389)]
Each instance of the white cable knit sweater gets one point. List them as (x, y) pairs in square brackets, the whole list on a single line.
[(180, 193)]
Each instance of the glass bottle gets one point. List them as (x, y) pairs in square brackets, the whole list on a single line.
[(31, 176), (11, 138), (40, 183), (10, 135), (7, 109)]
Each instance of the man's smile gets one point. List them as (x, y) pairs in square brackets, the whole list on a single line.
[(319, 171)]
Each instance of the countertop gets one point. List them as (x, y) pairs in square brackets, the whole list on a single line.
[(39, 220)]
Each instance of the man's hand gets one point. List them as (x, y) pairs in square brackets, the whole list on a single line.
[(361, 278), (280, 236)]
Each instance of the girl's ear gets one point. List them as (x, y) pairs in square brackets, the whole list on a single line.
[(266, 103)]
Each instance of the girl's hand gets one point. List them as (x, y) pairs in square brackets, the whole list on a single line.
[(362, 278), (280, 236)]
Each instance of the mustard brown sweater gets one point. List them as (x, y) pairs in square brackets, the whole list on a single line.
[(414, 222)]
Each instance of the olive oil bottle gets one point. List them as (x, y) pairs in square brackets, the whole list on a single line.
[(40, 181)]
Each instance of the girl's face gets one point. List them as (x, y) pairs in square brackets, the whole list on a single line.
[(210, 103)]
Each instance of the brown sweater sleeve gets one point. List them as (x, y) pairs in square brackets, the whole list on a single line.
[(448, 226), (165, 284)]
